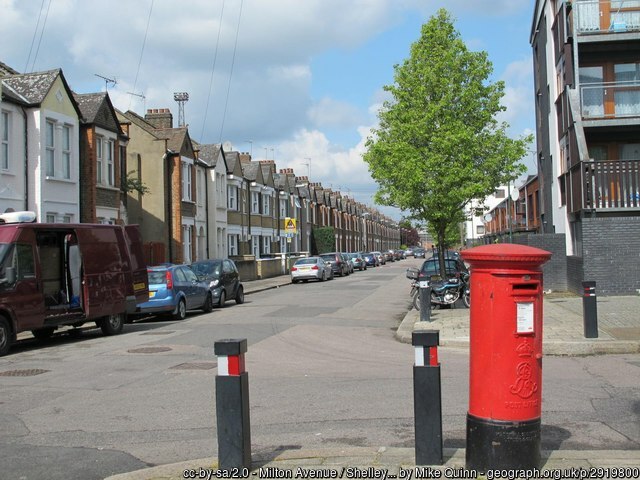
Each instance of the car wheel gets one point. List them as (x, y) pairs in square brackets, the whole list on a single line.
[(223, 299), (43, 333), (5, 336), (240, 295), (323, 277), (180, 312), (208, 304), (112, 324), (293, 280)]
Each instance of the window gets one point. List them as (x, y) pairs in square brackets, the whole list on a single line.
[(479, 229), (266, 204), (232, 197), (110, 167), (66, 218), (283, 208), (500, 193), (283, 244), (233, 245), (255, 202), (49, 148), (255, 246), (99, 141), (186, 182), (200, 187), (187, 240), (4, 140), (66, 151), (51, 218), (266, 245)]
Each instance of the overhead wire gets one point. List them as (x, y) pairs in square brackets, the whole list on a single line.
[(233, 61), (35, 33), (213, 68), (144, 42)]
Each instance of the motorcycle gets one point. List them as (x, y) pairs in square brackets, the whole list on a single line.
[(443, 292)]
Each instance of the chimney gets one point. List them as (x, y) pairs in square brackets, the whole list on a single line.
[(302, 180), (159, 117), (244, 158), (267, 162)]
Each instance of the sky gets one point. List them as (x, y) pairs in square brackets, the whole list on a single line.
[(295, 81)]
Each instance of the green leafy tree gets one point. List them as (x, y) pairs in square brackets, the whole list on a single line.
[(133, 184), (324, 239), (438, 144)]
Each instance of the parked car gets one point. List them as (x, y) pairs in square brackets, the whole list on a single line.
[(389, 256), (311, 268), (223, 279), (399, 254), (430, 270), (381, 258), (370, 259), (347, 260), (357, 259), (408, 252), (174, 289), (419, 253), (338, 265)]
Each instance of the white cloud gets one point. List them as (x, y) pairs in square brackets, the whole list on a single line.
[(332, 113)]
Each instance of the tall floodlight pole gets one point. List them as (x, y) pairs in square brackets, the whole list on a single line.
[(181, 98)]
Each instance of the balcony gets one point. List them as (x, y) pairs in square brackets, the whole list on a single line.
[(606, 16), (610, 100), (612, 185)]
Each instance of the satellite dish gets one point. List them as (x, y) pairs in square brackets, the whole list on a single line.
[(515, 194), (488, 217), (227, 146)]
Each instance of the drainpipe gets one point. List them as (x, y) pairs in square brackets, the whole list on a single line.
[(168, 202), (26, 161)]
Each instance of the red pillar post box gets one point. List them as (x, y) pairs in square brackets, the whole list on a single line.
[(505, 380)]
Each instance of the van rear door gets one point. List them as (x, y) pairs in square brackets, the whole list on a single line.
[(140, 280)]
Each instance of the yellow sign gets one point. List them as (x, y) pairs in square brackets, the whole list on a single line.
[(290, 225)]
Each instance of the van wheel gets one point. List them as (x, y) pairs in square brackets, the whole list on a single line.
[(181, 311), (240, 295), (112, 324), (223, 299), (5, 336), (43, 333), (208, 304)]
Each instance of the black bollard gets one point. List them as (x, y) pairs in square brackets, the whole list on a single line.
[(427, 398), (232, 405), (425, 303), (590, 310)]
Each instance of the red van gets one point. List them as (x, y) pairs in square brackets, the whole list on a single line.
[(67, 274)]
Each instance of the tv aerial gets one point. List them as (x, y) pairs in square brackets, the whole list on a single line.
[(107, 81)]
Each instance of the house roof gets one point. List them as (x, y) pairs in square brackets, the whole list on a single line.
[(142, 123), (251, 171), (7, 70), (210, 153), (97, 109)]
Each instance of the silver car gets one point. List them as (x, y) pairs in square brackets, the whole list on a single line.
[(311, 268)]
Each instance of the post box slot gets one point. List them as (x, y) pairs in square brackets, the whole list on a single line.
[(525, 286)]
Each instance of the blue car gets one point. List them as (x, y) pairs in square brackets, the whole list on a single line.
[(174, 289)]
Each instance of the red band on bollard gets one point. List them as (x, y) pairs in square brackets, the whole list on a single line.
[(231, 365), (433, 356)]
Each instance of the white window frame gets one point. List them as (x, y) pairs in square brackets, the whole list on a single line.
[(50, 148), (255, 246), (255, 202), (266, 204), (266, 245), (50, 217), (187, 236), (99, 158), (186, 182), (66, 151), (232, 197), (232, 241), (283, 208), (5, 146), (283, 244), (110, 177)]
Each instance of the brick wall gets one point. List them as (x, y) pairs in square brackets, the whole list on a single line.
[(574, 274), (611, 254), (87, 175), (555, 270)]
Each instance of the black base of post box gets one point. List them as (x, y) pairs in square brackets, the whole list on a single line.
[(493, 444), (232, 414), (427, 405)]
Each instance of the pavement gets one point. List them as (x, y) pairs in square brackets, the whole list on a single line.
[(563, 334)]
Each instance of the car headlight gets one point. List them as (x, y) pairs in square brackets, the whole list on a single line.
[(214, 283)]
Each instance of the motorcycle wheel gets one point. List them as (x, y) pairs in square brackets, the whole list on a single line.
[(416, 300), (466, 299)]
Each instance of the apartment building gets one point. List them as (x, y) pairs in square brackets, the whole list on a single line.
[(587, 88)]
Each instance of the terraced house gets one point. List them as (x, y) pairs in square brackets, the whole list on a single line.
[(587, 86)]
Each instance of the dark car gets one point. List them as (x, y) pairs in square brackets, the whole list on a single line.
[(430, 270), (223, 279), (338, 264), (357, 259), (174, 289), (419, 253)]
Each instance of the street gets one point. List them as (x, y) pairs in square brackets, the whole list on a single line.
[(324, 370)]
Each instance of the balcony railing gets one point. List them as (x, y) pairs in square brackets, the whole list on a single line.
[(604, 185), (607, 16), (613, 99)]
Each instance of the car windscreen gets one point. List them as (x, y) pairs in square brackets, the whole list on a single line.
[(432, 267), (328, 258), (207, 268)]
